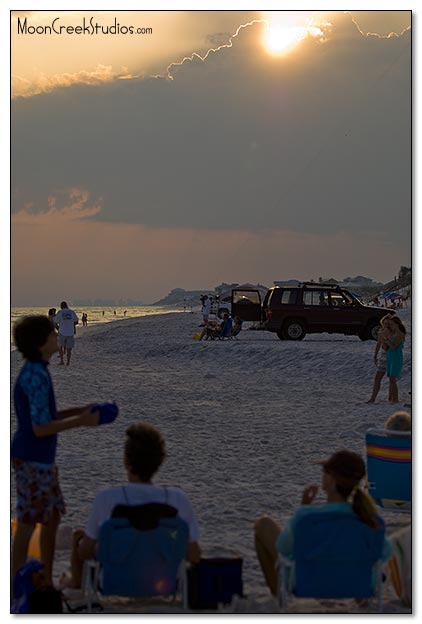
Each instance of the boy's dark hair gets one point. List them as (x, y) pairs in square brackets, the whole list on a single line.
[(30, 334), (144, 450)]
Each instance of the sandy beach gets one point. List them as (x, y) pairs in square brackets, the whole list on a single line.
[(243, 420)]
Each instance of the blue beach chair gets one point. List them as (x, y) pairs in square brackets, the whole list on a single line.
[(226, 331), (139, 554), (335, 556), (389, 468)]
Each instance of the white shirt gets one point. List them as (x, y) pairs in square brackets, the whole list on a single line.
[(139, 494), (66, 320), (206, 308)]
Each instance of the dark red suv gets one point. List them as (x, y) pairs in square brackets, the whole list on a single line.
[(308, 308)]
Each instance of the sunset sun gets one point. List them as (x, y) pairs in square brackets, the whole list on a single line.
[(279, 39)]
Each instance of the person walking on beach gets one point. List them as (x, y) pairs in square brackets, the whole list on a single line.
[(342, 474), (144, 452), (33, 450), (66, 320)]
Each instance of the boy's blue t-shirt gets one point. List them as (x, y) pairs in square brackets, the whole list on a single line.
[(285, 541), (35, 404)]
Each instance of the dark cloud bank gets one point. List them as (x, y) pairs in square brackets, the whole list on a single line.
[(319, 141)]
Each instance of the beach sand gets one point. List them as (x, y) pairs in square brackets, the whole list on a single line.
[(243, 421)]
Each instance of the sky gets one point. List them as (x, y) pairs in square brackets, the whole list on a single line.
[(195, 154)]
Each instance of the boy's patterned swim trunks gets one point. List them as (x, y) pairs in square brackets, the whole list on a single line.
[(38, 491)]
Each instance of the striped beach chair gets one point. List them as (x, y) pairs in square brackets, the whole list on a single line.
[(389, 468)]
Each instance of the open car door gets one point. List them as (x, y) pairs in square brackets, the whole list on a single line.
[(246, 304)]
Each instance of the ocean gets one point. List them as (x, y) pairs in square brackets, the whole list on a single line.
[(98, 314)]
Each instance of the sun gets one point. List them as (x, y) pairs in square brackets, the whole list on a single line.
[(280, 39)]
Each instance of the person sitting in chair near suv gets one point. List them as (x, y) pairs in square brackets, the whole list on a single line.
[(222, 330), (144, 452)]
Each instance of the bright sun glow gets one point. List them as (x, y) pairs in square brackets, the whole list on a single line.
[(281, 38)]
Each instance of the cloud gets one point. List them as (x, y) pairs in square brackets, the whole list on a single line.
[(315, 142), (382, 23), (44, 83), (69, 206)]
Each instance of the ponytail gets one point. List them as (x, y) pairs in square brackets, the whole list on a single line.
[(362, 504), (364, 507)]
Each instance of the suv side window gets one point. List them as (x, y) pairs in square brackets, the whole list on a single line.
[(288, 297), (315, 298), (339, 299)]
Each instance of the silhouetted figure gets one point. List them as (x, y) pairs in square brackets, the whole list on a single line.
[(66, 320)]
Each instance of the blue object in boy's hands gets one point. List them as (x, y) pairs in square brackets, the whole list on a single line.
[(108, 412)]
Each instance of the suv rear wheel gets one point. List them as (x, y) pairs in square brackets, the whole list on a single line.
[(371, 331), (293, 330)]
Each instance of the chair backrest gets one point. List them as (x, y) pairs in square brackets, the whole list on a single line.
[(389, 467), (227, 328), (141, 562), (335, 554)]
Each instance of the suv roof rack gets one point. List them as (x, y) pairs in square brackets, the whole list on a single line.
[(320, 284)]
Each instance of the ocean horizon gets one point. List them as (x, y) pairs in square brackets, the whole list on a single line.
[(97, 314)]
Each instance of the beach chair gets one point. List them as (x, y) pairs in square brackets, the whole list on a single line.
[(141, 553), (335, 556), (215, 333), (389, 468), (226, 331)]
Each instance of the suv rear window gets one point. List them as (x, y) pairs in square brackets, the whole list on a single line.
[(279, 296), (251, 297)]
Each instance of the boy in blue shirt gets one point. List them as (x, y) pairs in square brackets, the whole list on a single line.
[(39, 498)]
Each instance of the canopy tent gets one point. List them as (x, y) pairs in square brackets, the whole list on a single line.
[(392, 295)]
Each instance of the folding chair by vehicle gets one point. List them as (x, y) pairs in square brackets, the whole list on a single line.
[(141, 552), (335, 556), (226, 330), (389, 468)]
